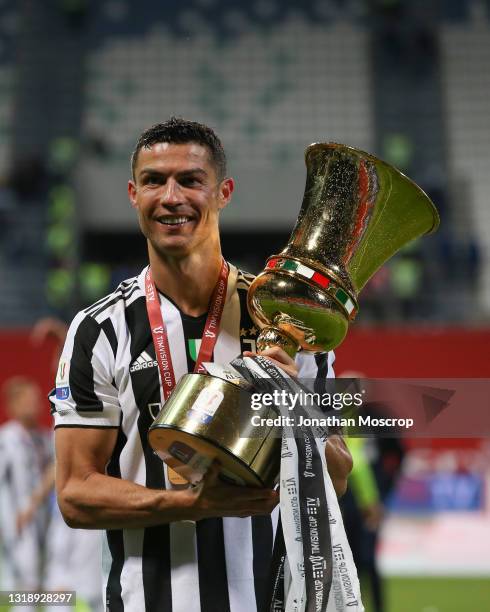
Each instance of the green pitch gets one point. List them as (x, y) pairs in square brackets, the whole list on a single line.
[(434, 595), (418, 595)]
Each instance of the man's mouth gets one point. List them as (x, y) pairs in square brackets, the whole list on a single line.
[(174, 220)]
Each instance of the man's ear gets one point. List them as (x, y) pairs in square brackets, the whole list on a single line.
[(226, 191), (132, 193)]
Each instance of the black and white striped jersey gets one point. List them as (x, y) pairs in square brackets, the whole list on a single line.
[(108, 377), (24, 456)]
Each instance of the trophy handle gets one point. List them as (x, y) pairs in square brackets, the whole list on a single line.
[(273, 336)]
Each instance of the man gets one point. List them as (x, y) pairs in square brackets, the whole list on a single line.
[(168, 548), (25, 454)]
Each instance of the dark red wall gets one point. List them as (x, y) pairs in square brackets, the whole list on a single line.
[(416, 352), (20, 356)]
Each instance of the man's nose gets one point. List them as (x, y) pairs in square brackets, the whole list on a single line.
[(171, 193)]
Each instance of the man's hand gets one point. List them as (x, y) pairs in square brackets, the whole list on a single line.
[(279, 357), (24, 517), (373, 516), (339, 459), (212, 498), (38, 497), (339, 462)]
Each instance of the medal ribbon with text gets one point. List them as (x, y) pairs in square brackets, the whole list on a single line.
[(159, 330)]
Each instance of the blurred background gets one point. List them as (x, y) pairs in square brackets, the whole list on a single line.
[(406, 80)]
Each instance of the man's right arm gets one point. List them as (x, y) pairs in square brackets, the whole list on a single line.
[(90, 499)]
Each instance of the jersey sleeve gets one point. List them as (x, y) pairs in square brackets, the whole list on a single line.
[(316, 368), (318, 365), (86, 393)]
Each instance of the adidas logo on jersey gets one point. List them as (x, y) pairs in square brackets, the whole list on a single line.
[(143, 362)]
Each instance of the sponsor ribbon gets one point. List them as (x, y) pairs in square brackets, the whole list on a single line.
[(159, 330), (318, 570)]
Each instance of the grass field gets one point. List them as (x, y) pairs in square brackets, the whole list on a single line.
[(435, 595), (421, 595)]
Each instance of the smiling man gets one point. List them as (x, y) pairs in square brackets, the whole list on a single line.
[(178, 190), (169, 547)]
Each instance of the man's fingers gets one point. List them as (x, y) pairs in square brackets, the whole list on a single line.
[(213, 472), (210, 505), (210, 478), (214, 498), (279, 358), (261, 507), (265, 494), (279, 354), (254, 508)]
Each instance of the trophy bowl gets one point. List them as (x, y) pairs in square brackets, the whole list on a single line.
[(357, 212)]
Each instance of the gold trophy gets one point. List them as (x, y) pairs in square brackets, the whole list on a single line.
[(357, 212)]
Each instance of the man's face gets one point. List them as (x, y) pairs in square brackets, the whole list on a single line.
[(178, 197), (25, 406)]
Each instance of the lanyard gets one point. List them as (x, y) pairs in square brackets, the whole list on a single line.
[(159, 330)]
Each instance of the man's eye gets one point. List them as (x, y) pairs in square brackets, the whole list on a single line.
[(154, 180), (190, 181)]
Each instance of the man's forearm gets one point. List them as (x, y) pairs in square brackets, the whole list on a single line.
[(339, 462), (104, 502), (98, 501)]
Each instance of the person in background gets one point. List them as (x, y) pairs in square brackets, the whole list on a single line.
[(363, 511), (25, 471), (376, 465), (72, 556)]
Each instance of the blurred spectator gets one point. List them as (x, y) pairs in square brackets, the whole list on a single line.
[(73, 561), (377, 462), (50, 327), (363, 512), (25, 457), (72, 556)]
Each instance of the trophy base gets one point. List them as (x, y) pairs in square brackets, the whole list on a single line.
[(190, 456), (207, 418)]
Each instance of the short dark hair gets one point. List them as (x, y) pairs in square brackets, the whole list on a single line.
[(180, 131)]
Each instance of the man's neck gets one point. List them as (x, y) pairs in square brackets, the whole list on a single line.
[(188, 281)]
